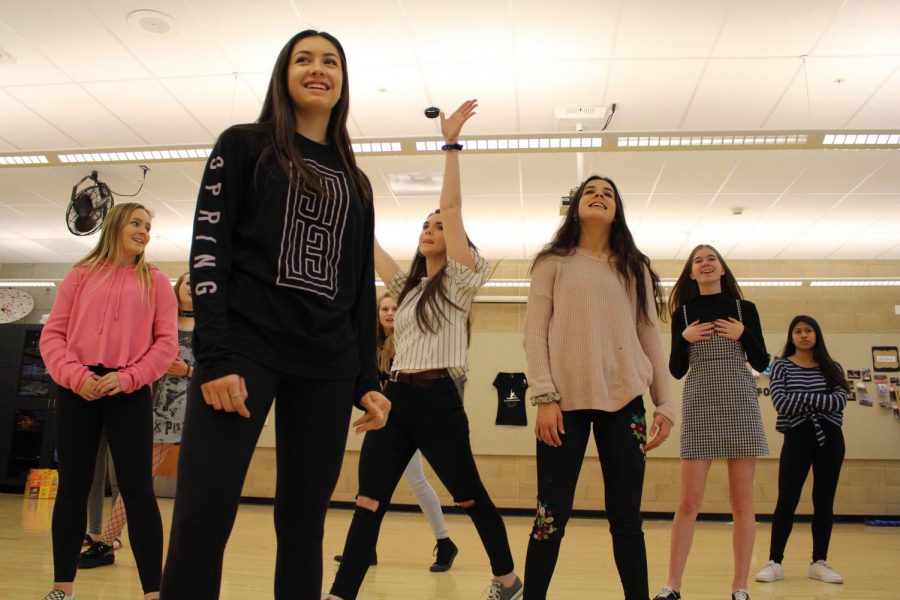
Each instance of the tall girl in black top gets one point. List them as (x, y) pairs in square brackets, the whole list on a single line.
[(430, 339), (809, 392), (714, 333), (284, 302)]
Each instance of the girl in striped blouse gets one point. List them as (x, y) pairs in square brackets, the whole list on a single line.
[(809, 392), (431, 343)]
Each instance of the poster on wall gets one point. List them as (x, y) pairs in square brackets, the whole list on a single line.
[(866, 374), (885, 358), (853, 374)]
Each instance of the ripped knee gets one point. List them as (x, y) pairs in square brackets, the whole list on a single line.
[(367, 503), (465, 504), (547, 527)]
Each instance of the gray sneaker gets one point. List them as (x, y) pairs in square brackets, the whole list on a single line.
[(498, 592)]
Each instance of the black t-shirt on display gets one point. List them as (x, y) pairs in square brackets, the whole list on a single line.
[(511, 398)]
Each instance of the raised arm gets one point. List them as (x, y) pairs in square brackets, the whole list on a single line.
[(385, 265), (451, 194)]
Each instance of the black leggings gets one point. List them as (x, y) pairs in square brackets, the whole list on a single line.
[(311, 418), (128, 422), (619, 437), (800, 452), (432, 420)]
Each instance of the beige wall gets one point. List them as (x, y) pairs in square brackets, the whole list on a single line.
[(853, 319)]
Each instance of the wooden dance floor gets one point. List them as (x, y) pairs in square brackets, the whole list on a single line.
[(867, 557)]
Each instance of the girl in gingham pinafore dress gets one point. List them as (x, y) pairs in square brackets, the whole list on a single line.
[(721, 417), (715, 333)]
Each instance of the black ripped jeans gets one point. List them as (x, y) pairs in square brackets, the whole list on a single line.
[(433, 421), (619, 437)]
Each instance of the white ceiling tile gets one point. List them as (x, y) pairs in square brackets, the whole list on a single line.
[(457, 36), (768, 170), (93, 126), (553, 174), (217, 101), (30, 66), (34, 251), (817, 101), (631, 171), (868, 246), (26, 130), (163, 56), (659, 243), (762, 243), (880, 110), (863, 27), (675, 211), (670, 28), (769, 27), (374, 32), (389, 100), (859, 210), (696, 171), (838, 170), (651, 95), (814, 245), (494, 87), (738, 93), (540, 221), (589, 26), (72, 37), (152, 111), (543, 86)]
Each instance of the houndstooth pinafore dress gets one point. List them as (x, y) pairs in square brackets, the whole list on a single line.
[(720, 408)]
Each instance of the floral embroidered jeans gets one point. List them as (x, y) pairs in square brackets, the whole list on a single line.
[(619, 437)]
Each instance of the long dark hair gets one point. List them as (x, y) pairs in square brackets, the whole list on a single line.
[(629, 261), (430, 304), (277, 118), (832, 371), (687, 289)]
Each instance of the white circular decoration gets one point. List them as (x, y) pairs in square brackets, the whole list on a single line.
[(14, 304)]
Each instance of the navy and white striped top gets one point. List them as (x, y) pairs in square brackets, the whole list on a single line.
[(802, 394)]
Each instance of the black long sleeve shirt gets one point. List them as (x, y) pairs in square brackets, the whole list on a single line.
[(282, 274), (707, 309)]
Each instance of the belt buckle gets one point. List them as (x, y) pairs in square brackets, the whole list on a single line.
[(393, 376)]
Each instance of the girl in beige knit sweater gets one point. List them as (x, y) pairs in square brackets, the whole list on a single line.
[(593, 347)]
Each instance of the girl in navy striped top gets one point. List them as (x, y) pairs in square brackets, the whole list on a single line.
[(809, 392)]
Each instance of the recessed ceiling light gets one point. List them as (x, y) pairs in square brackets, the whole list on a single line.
[(153, 22)]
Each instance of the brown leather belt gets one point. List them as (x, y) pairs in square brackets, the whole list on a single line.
[(427, 378)]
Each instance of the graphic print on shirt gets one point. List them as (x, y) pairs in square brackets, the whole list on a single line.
[(313, 228), (510, 399)]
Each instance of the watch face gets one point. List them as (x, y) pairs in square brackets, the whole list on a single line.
[(14, 304)]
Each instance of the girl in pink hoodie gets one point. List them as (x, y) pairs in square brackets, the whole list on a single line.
[(111, 333)]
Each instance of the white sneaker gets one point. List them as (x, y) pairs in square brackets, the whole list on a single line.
[(772, 571), (822, 571)]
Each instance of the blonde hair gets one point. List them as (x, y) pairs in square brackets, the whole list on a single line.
[(177, 285), (384, 342), (108, 250)]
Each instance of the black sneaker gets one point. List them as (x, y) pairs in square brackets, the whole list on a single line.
[(98, 555), (444, 551), (667, 593), (338, 557)]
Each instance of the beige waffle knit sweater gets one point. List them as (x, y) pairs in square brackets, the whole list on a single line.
[(583, 339)]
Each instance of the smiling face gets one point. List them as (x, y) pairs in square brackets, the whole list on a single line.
[(803, 335), (387, 310), (431, 239), (185, 301), (705, 266), (314, 76), (135, 234), (597, 202)]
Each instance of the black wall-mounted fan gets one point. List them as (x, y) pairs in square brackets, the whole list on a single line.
[(89, 206)]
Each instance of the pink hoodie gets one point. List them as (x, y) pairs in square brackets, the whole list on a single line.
[(103, 319)]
